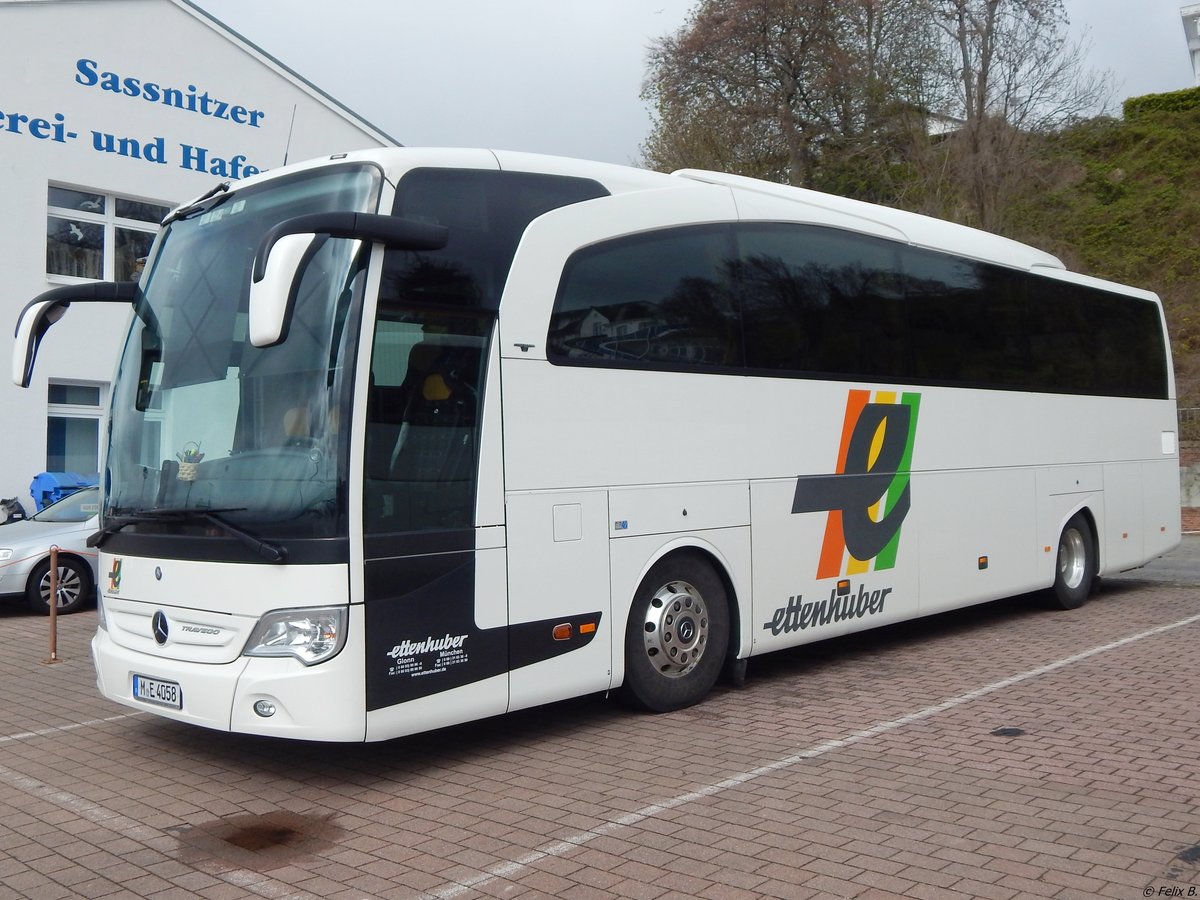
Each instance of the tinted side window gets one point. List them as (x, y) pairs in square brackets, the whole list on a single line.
[(809, 301), (1125, 337), (950, 309), (820, 301), (486, 213), (659, 300), (983, 325)]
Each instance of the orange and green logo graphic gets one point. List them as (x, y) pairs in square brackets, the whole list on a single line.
[(869, 495), (114, 577)]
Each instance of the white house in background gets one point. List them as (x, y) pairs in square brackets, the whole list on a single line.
[(1191, 28), (111, 112)]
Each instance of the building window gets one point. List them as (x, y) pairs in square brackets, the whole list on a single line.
[(100, 236), (73, 414)]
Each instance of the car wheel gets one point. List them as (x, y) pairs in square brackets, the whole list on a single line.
[(74, 586)]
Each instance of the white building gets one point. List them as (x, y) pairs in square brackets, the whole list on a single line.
[(111, 112), (1191, 29)]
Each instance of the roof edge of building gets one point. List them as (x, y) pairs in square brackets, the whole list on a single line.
[(208, 19), (342, 109)]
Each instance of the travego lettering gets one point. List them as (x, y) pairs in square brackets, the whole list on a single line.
[(429, 645), (798, 615)]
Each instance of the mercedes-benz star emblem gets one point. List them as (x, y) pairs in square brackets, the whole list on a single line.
[(159, 624)]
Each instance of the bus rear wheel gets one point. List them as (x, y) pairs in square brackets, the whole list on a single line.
[(1075, 568), (677, 635)]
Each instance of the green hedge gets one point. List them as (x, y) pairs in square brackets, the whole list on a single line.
[(1176, 101)]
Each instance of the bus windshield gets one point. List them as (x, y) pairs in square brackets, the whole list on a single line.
[(204, 421)]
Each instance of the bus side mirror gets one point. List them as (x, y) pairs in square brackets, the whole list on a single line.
[(284, 251), (46, 309), (273, 294)]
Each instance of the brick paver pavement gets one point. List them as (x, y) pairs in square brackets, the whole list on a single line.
[(864, 767)]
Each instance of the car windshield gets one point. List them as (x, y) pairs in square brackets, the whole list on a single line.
[(204, 421), (77, 507)]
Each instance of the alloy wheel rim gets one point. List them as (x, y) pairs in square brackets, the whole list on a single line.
[(676, 628), (1072, 558), (69, 586)]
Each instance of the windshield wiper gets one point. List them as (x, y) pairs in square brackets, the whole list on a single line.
[(116, 523), (198, 204), (264, 548)]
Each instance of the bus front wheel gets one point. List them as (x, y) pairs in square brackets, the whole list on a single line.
[(1075, 568), (677, 635)]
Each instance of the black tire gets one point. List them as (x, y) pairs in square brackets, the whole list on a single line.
[(1075, 566), (74, 586), (677, 636)]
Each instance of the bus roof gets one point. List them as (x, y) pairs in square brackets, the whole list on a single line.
[(806, 205), (920, 230)]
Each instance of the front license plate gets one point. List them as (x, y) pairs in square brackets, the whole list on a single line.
[(157, 691)]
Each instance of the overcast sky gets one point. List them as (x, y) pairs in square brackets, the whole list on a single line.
[(564, 76)]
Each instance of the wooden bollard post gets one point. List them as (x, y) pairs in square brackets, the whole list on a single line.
[(53, 605)]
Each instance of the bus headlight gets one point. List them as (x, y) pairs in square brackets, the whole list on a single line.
[(310, 635)]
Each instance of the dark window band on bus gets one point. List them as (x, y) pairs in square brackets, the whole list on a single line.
[(805, 301), (663, 299), (486, 212)]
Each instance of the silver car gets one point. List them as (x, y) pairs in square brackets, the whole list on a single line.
[(25, 553)]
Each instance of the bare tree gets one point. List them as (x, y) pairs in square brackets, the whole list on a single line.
[(1016, 76), (786, 89)]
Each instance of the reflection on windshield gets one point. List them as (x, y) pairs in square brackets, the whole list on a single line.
[(202, 419)]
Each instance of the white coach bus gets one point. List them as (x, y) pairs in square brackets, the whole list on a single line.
[(409, 437)]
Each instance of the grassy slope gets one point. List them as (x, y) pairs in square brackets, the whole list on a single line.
[(1121, 200)]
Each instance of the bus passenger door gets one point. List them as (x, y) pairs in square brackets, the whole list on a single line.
[(435, 597)]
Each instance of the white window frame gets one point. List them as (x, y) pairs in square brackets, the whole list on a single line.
[(109, 220), (77, 410)]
